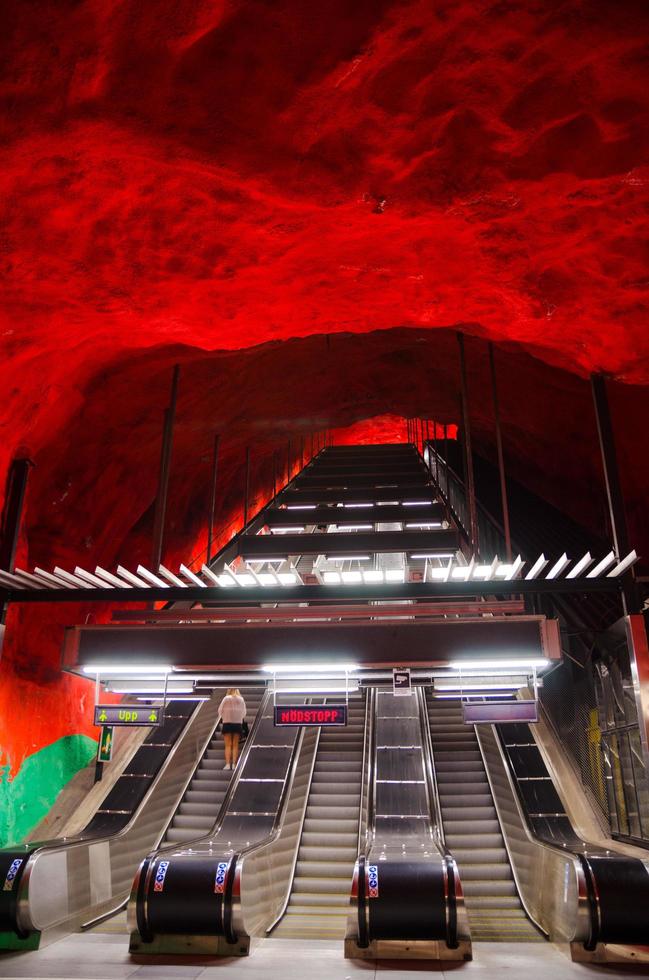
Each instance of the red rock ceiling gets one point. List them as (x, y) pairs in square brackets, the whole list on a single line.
[(180, 178)]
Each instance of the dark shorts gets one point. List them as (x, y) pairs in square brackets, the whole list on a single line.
[(232, 728)]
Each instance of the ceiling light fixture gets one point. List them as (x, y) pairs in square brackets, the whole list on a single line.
[(521, 663), (298, 669), (116, 670)]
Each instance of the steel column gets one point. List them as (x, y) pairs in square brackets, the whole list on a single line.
[(466, 424), (11, 521), (246, 503), (501, 458), (163, 478), (13, 510), (210, 526), (614, 495)]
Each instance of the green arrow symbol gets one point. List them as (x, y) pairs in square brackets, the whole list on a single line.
[(153, 716), (103, 716)]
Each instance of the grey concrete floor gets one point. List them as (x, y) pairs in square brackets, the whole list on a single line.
[(103, 955)]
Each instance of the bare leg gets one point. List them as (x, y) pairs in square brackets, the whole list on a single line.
[(235, 748), (228, 748)]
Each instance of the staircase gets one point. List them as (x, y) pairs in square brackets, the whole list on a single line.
[(200, 806), (319, 901), (472, 830)]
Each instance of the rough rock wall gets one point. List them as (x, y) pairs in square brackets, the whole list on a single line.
[(183, 180)]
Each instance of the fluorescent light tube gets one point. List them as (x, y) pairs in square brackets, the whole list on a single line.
[(348, 557), (477, 687), (298, 669), (116, 670), (442, 555), (140, 689), (486, 664)]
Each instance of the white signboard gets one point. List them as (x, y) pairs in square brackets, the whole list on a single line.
[(401, 685)]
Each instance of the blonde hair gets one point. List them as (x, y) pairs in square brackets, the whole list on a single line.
[(233, 692)]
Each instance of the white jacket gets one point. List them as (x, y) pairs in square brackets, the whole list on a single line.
[(232, 709)]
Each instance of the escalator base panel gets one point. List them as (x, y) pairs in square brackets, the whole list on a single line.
[(398, 949), (183, 945), (10, 941), (610, 953)]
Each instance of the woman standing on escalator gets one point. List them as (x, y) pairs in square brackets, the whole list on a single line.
[(233, 712)]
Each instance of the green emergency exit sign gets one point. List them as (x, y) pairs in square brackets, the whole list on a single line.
[(105, 751), (128, 715)]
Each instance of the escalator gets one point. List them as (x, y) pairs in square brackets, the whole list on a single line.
[(62, 885), (199, 808), (319, 900), (473, 831), (216, 891), (57, 886), (407, 896)]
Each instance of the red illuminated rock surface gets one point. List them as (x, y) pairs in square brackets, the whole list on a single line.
[(299, 203)]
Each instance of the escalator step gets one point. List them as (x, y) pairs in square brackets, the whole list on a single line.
[(490, 873), (492, 888)]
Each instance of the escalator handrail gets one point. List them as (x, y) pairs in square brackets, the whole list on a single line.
[(363, 810), (370, 826), (431, 772), (594, 906), (451, 874)]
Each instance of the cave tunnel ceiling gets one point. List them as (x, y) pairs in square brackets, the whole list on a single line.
[(301, 203)]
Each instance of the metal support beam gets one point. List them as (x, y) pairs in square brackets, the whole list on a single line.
[(501, 458), (422, 610), (11, 521), (446, 466), (13, 510), (246, 502), (466, 424), (614, 495), (163, 478), (316, 593), (268, 546), (210, 526)]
